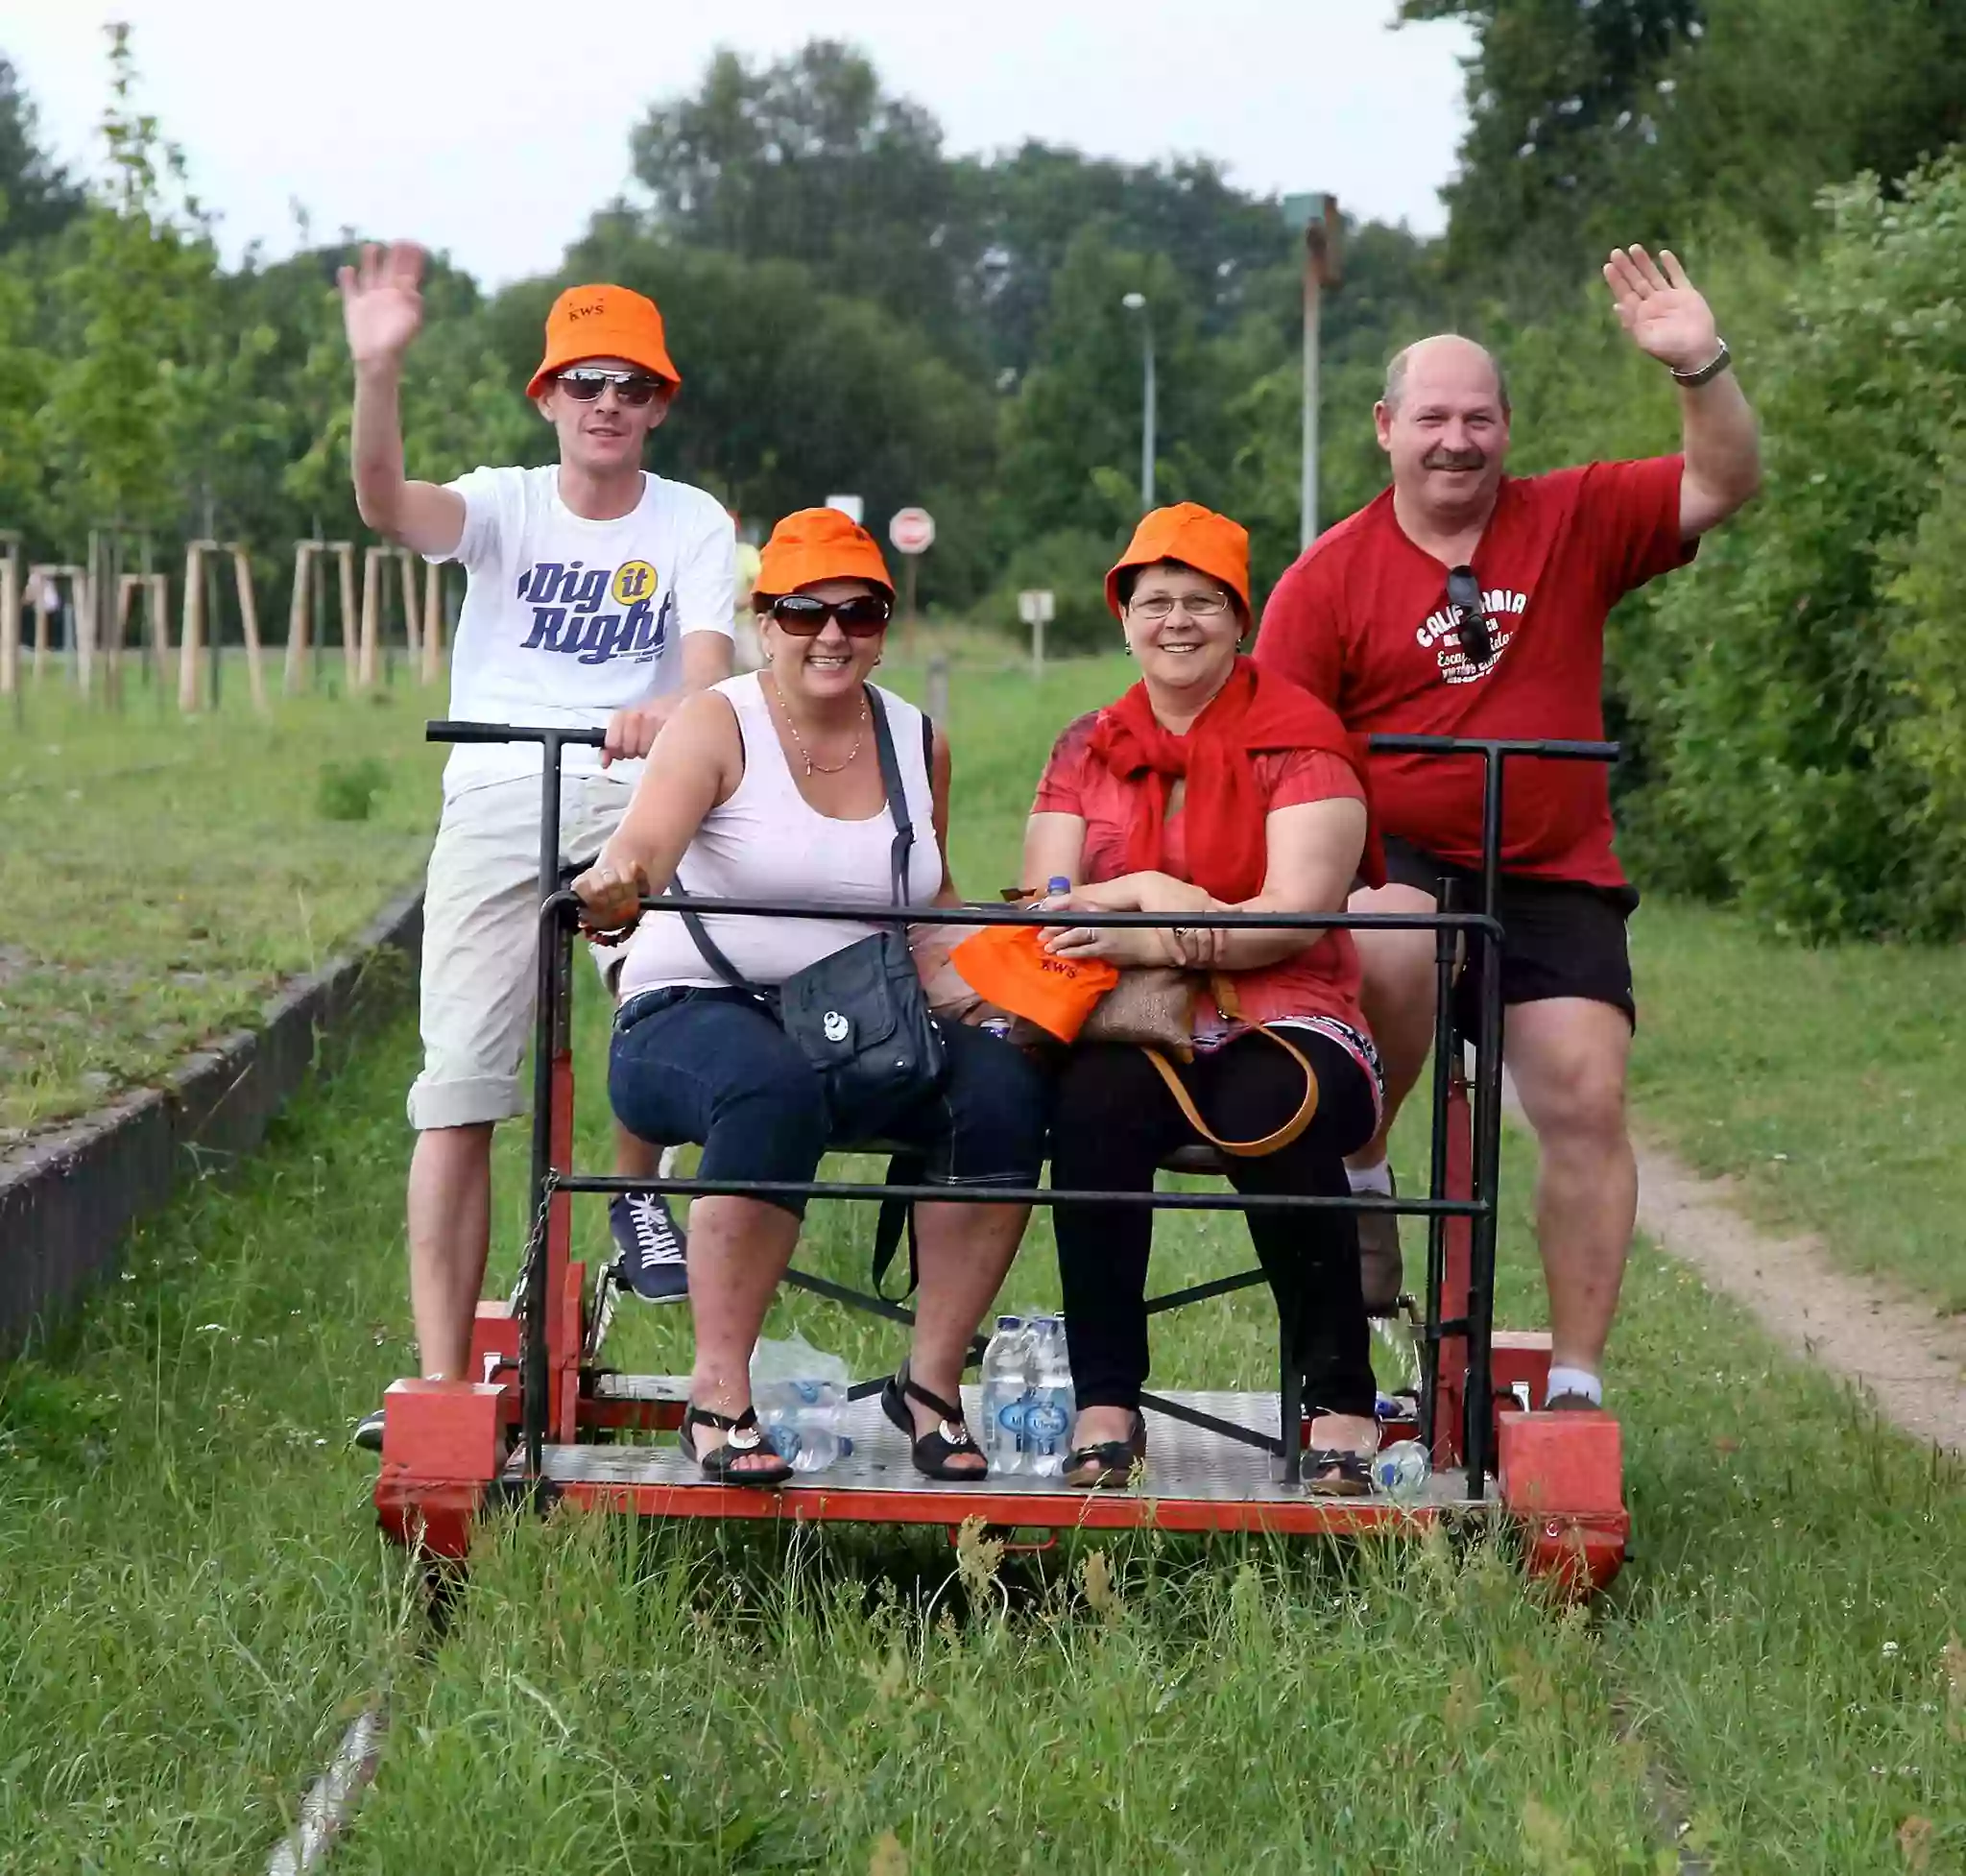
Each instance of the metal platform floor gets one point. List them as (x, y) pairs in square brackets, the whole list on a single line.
[(1194, 1479)]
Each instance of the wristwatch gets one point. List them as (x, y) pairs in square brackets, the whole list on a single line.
[(1708, 371)]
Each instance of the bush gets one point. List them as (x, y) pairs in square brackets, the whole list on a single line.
[(1806, 734), (1072, 564), (347, 790)]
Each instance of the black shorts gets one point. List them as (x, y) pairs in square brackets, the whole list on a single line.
[(1562, 938)]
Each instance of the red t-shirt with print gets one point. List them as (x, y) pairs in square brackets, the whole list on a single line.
[(1322, 980), (1362, 621)]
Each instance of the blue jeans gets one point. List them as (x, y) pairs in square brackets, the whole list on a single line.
[(709, 1066)]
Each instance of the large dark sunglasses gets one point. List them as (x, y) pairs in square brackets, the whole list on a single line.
[(1464, 596), (805, 616), (634, 389)]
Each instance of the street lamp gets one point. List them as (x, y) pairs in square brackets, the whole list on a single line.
[(1317, 218), (1136, 302)]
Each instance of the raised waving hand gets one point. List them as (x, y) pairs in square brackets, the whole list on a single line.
[(1667, 315), (382, 301)]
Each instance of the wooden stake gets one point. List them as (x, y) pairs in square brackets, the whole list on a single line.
[(368, 663), (249, 625), (344, 552), (413, 617), (433, 622), (82, 604), (10, 621), (299, 619), (160, 623), (191, 634)]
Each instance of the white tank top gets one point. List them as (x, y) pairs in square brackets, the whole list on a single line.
[(769, 842)]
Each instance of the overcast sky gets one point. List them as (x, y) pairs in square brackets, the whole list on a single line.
[(475, 126)]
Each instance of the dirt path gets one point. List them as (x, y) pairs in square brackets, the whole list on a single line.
[(1910, 1361)]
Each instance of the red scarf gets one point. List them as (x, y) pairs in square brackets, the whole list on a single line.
[(1254, 712)]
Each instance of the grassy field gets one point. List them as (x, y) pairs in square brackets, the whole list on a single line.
[(1826, 1080), (196, 1601), (161, 875)]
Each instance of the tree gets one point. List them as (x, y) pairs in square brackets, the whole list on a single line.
[(808, 159), (1031, 206), (1635, 119), (37, 196), (133, 278)]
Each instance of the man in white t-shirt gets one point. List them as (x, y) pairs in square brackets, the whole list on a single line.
[(598, 597)]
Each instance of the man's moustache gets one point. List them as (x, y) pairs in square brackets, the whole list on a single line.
[(1453, 459)]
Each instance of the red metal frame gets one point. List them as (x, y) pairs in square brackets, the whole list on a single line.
[(447, 1445)]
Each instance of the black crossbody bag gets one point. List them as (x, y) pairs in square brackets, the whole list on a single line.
[(859, 1016)]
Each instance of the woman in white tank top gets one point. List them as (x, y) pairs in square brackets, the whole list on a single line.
[(768, 786)]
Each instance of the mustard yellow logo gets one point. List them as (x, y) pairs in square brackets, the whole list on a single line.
[(633, 580)]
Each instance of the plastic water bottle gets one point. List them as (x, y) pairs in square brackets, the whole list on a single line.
[(1057, 886), (1401, 1470), (802, 1420), (1006, 1381), (1050, 1408)]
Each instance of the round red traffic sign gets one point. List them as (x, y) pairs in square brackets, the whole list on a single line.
[(912, 531)]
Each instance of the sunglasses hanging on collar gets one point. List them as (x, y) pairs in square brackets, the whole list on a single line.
[(1471, 621)]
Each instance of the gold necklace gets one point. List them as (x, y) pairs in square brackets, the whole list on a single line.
[(819, 768)]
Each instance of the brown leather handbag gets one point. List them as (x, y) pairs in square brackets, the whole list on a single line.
[(1153, 1007)]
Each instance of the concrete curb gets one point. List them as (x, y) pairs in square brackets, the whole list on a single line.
[(68, 1197)]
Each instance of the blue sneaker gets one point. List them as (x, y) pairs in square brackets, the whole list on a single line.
[(651, 1262)]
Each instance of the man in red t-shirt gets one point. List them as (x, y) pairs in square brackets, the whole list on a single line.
[(1467, 602)]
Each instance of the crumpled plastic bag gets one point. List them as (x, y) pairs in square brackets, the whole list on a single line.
[(800, 1394)]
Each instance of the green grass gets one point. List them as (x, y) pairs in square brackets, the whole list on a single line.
[(1826, 1079), (160, 875), (195, 1600)]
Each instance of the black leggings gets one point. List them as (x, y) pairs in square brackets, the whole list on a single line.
[(1114, 1121)]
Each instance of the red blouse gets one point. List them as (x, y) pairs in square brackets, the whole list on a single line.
[(1320, 981)]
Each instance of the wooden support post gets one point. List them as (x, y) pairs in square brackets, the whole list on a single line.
[(433, 622), (159, 601), (128, 586), (368, 663), (81, 604), (413, 615), (191, 634), (249, 624), (344, 552), (300, 619), (10, 614)]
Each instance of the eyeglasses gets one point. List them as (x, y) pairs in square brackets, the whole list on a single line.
[(804, 616), (1196, 605), (1471, 623), (634, 389)]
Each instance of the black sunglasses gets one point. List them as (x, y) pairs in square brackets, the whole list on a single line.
[(634, 389), (805, 616), (1464, 596)]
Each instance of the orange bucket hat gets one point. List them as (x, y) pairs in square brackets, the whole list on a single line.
[(603, 321), (1007, 965), (818, 544), (1197, 537)]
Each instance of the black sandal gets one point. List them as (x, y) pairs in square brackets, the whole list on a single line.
[(1337, 1472), (933, 1449), (720, 1463), (1110, 1464)]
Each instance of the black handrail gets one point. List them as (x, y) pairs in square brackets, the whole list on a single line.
[(1476, 1322)]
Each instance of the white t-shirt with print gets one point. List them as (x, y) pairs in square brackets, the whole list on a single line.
[(567, 620)]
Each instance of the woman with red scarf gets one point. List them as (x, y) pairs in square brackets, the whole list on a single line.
[(1209, 787)]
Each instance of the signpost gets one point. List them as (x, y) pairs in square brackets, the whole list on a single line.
[(1317, 218), (912, 531), (850, 506), (1037, 606)]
